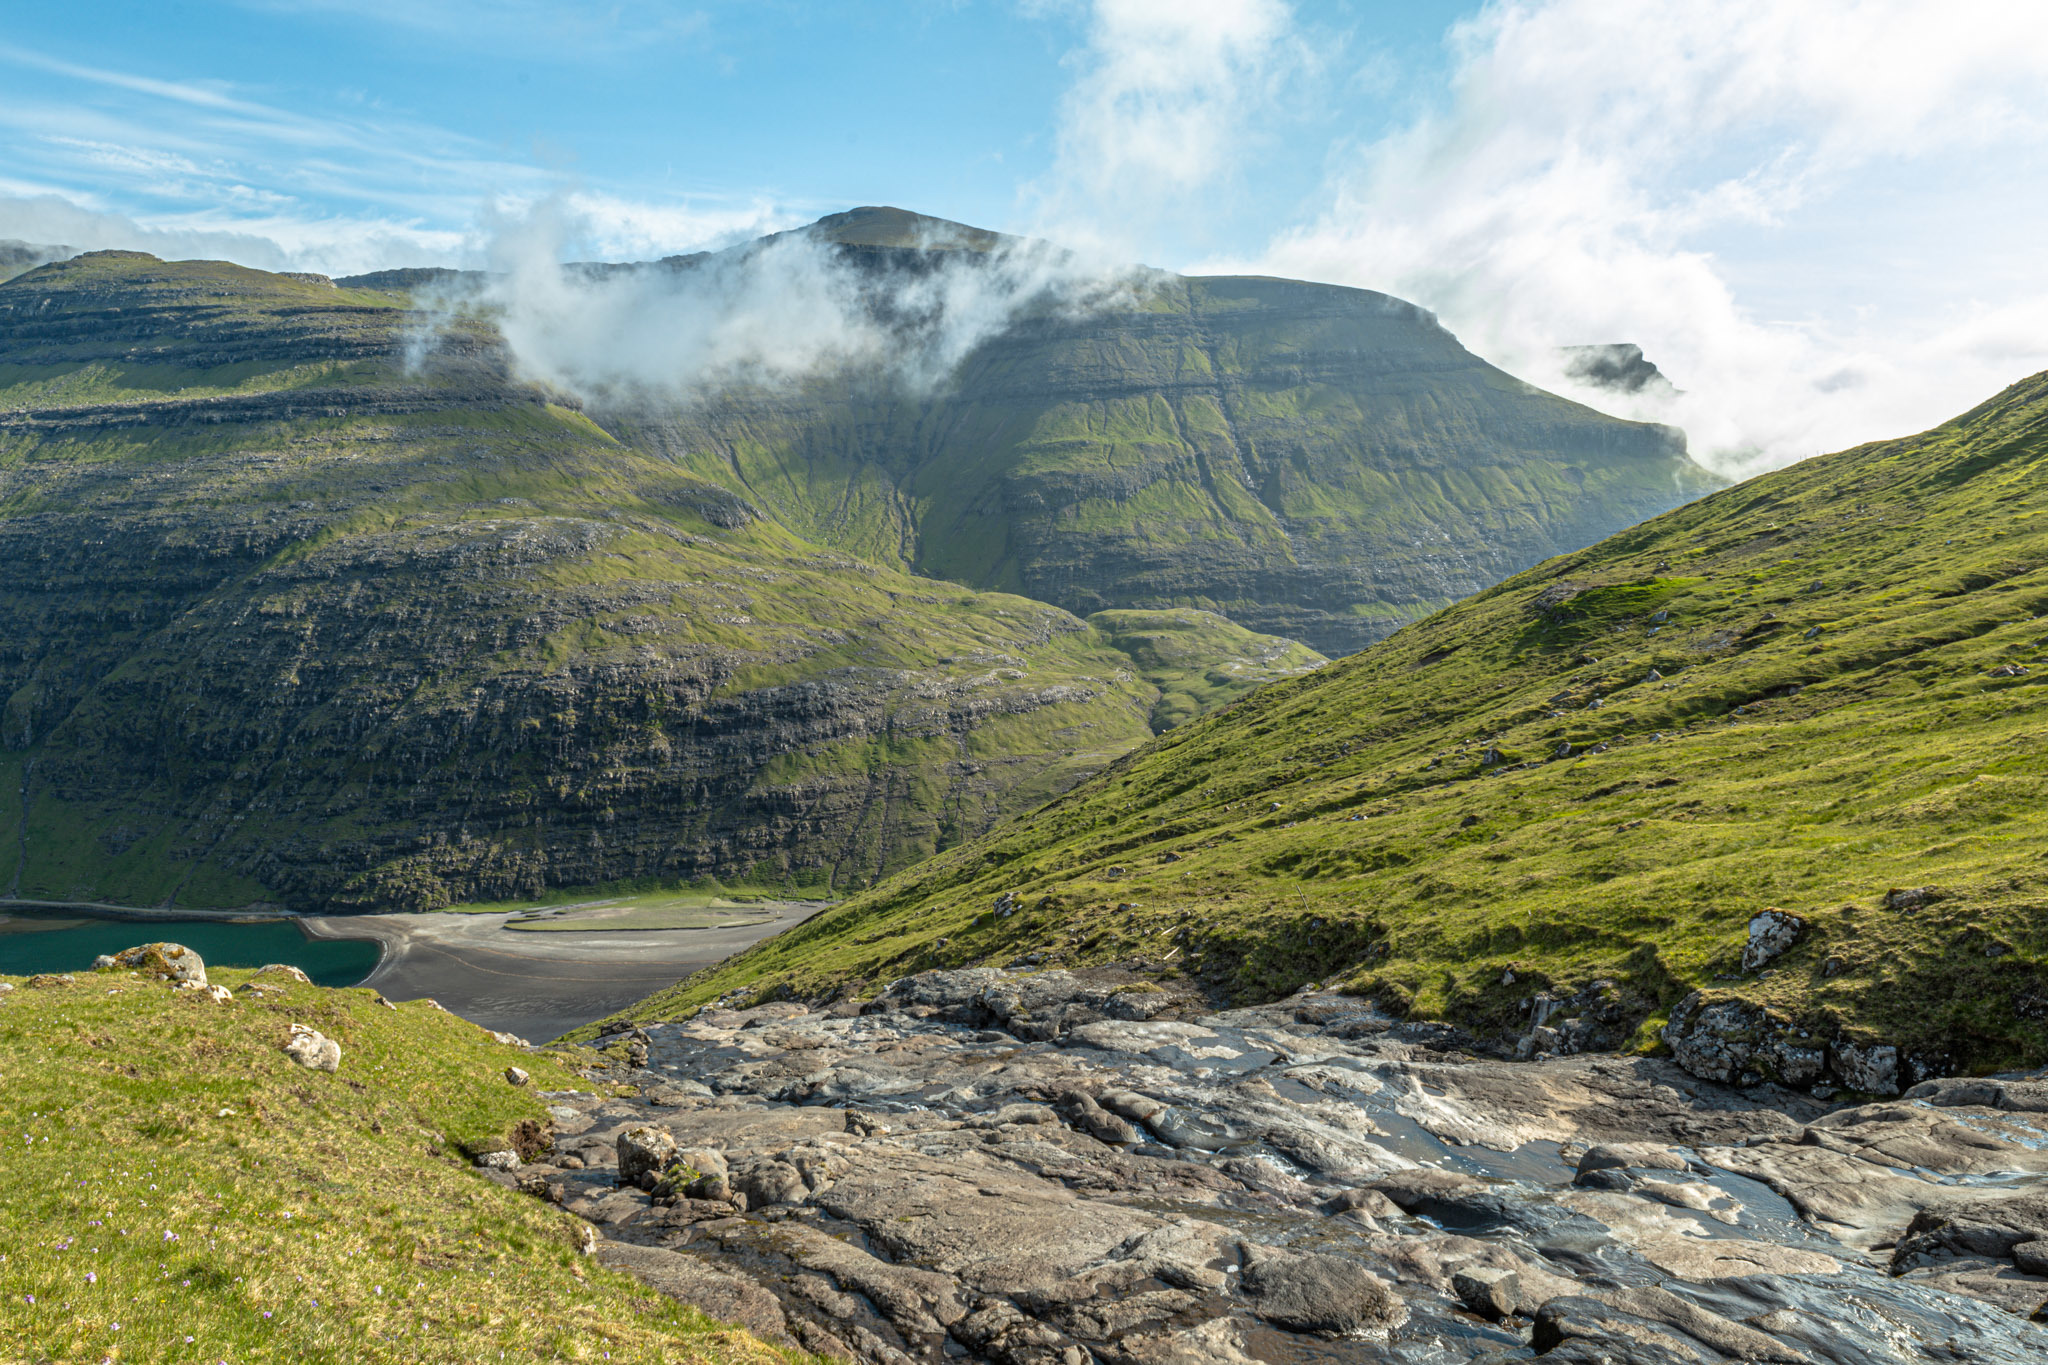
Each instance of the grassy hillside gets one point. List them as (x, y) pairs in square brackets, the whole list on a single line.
[(1320, 463), (178, 1189), (1802, 692), (289, 620), (1199, 660)]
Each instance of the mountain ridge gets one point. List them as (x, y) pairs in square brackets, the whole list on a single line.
[(1582, 790)]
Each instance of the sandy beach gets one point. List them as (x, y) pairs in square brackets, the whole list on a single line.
[(539, 985)]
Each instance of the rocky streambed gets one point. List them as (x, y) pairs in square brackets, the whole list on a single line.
[(1056, 1168)]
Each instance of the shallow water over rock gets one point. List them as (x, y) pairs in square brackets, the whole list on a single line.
[(981, 1166)]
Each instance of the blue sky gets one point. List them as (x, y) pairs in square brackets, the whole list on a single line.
[(408, 116), (1821, 219)]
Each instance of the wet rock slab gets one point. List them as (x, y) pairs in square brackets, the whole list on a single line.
[(1028, 1169)]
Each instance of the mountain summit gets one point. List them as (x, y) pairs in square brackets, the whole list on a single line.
[(876, 225)]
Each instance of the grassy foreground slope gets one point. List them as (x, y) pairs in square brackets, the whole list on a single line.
[(286, 619), (1800, 692), (180, 1190)]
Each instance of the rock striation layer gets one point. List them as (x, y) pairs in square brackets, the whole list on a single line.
[(289, 619), (1055, 1168), (1311, 461)]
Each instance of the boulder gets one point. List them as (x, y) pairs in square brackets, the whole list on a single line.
[(1873, 1069), (313, 1049), (770, 1182), (1714, 1042), (1771, 934), (1490, 1292), (1317, 1292), (695, 1173), (172, 962), (1994, 1226), (644, 1153), (2031, 1257)]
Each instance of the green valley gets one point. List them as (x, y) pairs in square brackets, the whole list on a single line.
[(1819, 692), (286, 622)]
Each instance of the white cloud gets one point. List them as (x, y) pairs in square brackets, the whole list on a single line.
[(1166, 97), (335, 246), (1812, 216), (785, 310)]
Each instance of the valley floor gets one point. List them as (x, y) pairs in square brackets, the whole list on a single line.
[(540, 985)]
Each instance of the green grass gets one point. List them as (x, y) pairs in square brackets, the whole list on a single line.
[(1199, 660), (1827, 728), (171, 1171), (439, 639), (1199, 447)]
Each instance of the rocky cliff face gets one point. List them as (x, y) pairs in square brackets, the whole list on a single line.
[(1311, 461), (284, 621)]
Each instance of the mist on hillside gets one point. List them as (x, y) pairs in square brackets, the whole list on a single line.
[(780, 310)]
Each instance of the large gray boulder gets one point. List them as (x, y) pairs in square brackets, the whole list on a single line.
[(172, 962)]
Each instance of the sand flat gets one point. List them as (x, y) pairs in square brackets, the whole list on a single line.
[(539, 985)]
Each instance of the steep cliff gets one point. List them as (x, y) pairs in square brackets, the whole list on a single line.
[(283, 620), (1312, 461)]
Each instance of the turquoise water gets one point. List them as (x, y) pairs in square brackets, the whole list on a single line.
[(58, 941)]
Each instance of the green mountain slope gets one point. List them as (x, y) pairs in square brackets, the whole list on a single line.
[(1807, 692), (284, 621), (1311, 461)]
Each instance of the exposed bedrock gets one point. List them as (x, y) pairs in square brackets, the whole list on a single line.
[(981, 1165)]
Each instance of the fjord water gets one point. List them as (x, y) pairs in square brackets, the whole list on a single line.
[(59, 941)]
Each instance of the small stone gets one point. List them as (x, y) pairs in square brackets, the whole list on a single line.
[(1654, 676), (1489, 1292), (313, 1050), (103, 962), (1771, 933), (2031, 1257), (515, 1076), (220, 994), (1812, 633), (286, 970), (498, 1161)]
